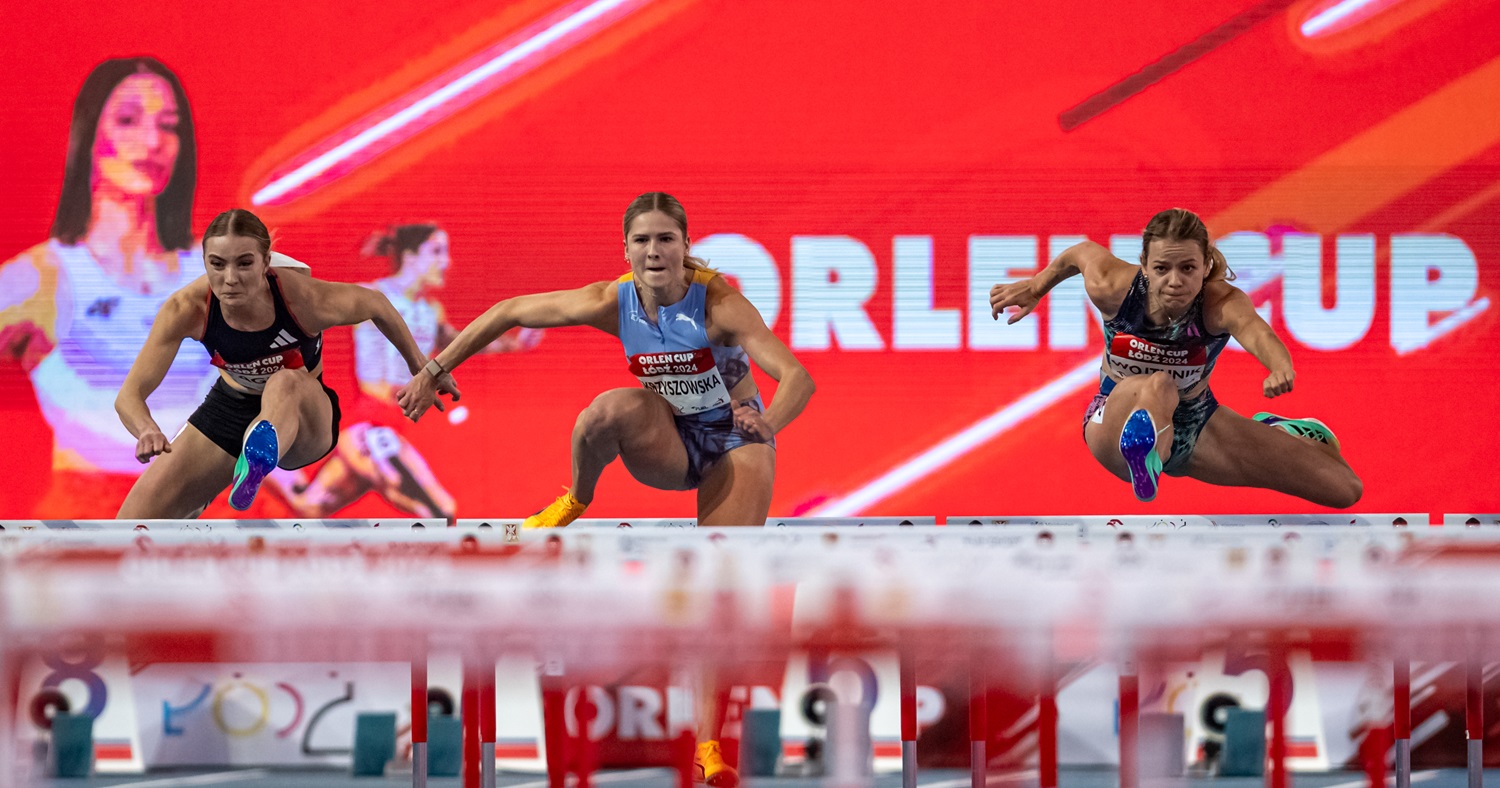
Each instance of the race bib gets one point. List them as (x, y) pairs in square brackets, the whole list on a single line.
[(689, 379), (254, 374), (1130, 355)]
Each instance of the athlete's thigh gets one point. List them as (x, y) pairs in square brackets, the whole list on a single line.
[(314, 425), (1101, 433), (1235, 451), (179, 482), (737, 490), (652, 450)]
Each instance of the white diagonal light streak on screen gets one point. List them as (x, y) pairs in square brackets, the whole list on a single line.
[(1329, 17), (965, 441), (434, 100)]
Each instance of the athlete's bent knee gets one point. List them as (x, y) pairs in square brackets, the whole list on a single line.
[(283, 382), (1159, 385), (609, 414), (1347, 492)]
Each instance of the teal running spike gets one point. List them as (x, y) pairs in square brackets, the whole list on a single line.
[(257, 458), (1138, 447), (1302, 428)]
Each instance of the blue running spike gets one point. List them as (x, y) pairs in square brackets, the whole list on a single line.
[(1138, 447), (257, 458)]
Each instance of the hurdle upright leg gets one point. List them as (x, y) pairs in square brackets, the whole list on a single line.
[(979, 721), (1475, 719), (1276, 708), (470, 712), (1402, 699), (683, 749), (1376, 744), (1130, 721), (1046, 735), (487, 722), (908, 670), (554, 729), (419, 721)]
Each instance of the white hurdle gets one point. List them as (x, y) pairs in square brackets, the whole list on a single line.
[(601, 596)]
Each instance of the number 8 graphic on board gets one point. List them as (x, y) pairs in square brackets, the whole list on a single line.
[(91, 655)]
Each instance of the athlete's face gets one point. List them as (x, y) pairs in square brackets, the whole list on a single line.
[(236, 268), (1174, 273), (656, 247), (429, 261), (136, 144)]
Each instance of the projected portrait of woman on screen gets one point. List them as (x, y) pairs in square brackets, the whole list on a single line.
[(76, 308)]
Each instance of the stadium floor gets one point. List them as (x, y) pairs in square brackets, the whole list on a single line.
[(656, 778)]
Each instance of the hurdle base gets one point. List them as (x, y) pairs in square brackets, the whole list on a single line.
[(374, 743), (419, 764)]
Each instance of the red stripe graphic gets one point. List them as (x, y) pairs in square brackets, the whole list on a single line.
[(515, 750), (113, 751)]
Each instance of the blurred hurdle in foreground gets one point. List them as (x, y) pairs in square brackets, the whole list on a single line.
[(1009, 599)]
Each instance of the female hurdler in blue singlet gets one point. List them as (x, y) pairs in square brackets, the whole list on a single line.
[(269, 407), (1165, 322), (697, 422)]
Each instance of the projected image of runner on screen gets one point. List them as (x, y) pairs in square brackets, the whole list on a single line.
[(374, 454)]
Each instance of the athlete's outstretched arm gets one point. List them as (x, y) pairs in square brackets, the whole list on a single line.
[(736, 321), (1232, 311), (320, 305), (1105, 277), (517, 340), (591, 305), (180, 317)]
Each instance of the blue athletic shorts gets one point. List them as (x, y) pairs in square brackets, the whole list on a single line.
[(709, 436)]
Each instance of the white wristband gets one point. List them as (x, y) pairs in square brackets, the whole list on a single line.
[(435, 369)]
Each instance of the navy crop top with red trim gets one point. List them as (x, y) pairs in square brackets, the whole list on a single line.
[(1184, 348), (249, 358)]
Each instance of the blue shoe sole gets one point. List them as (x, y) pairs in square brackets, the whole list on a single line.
[(1137, 446), (256, 460)]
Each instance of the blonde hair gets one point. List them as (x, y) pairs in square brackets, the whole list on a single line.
[(1180, 224), (667, 204)]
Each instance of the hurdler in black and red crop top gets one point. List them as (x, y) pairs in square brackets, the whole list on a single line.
[(249, 358)]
